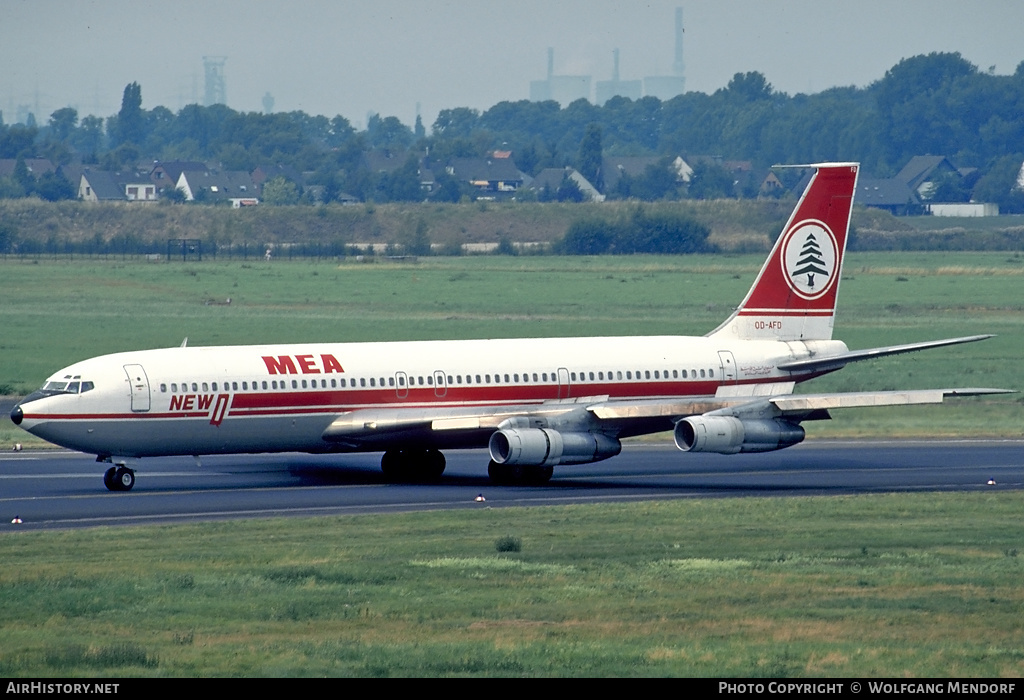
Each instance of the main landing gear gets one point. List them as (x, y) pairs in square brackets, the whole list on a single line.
[(119, 478), (513, 474), (428, 465), (413, 465)]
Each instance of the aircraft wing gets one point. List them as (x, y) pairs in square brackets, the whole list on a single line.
[(367, 427), (834, 362)]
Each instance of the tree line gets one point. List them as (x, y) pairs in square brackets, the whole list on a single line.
[(938, 104)]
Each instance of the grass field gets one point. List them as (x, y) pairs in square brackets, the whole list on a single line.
[(914, 585), (903, 585), (58, 312)]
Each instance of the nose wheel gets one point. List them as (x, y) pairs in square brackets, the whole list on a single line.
[(119, 479)]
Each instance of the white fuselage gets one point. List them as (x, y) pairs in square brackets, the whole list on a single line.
[(273, 398)]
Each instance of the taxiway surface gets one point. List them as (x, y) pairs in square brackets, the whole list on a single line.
[(48, 490)]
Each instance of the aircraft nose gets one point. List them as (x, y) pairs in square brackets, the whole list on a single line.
[(17, 415)]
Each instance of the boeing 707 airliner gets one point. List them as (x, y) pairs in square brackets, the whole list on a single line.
[(533, 403)]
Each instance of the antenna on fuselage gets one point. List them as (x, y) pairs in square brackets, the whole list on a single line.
[(184, 343)]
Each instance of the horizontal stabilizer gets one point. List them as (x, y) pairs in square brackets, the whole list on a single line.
[(820, 364)]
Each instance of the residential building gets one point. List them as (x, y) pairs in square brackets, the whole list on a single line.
[(106, 186), (550, 179), (233, 186)]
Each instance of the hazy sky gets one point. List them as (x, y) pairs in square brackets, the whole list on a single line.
[(346, 57)]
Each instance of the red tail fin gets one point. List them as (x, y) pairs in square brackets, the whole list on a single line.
[(794, 295)]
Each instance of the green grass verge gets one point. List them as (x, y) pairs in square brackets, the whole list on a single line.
[(886, 586)]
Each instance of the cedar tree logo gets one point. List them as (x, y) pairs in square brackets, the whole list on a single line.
[(809, 256)]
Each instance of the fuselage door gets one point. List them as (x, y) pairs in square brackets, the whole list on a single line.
[(440, 384), (401, 384), (139, 383), (564, 387), (728, 366)]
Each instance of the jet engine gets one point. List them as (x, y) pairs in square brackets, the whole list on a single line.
[(728, 435), (546, 447)]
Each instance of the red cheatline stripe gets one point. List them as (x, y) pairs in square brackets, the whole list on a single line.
[(295, 403), (785, 312)]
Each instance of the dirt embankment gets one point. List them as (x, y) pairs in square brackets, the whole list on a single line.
[(31, 225)]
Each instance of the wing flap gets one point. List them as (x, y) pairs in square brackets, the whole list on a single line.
[(803, 403), (837, 361), (668, 408)]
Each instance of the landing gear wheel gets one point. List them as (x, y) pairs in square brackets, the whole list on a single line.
[(391, 464), (412, 465), (435, 464), (505, 473), (108, 479), (124, 479), (538, 475), (516, 474)]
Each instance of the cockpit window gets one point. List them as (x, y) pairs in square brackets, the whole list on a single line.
[(67, 387)]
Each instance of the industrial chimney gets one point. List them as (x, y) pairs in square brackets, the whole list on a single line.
[(677, 66)]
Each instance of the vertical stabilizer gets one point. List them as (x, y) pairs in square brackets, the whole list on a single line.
[(794, 295)]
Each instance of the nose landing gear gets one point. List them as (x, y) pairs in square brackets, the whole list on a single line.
[(119, 478)]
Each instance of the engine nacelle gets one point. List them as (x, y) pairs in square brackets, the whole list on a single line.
[(728, 435), (544, 447)]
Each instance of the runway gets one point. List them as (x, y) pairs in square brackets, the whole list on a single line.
[(54, 490)]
